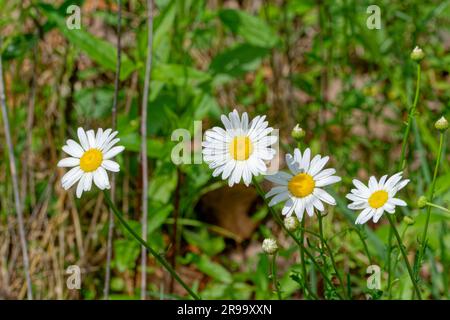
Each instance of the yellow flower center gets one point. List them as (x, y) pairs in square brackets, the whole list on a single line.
[(378, 199), (241, 148), (91, 160), (301, 185)]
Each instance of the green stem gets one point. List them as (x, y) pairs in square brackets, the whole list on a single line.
[(405, 257), (430, 198), (402, 165), (274, 276), (330, 252), (411, 113), (280, 222), (389, 262), (397, 258), (438, 207), (363, 241), (150, 249), (302, 256)]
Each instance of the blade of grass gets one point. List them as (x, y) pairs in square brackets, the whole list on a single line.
[(148, 68), (15, 182)]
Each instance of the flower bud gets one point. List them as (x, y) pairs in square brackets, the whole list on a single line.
[(441, 124), (408, 220), (291, 223), (422, 202), (417, 54), (270, 246), (298, 133)]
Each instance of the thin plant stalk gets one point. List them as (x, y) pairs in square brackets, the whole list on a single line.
[(280, 222), (438, 207), (158, 257), (148, 69), (274, 276), (113, 178), (302, 255), (411, 114), (15, 183), (330, 252), (397, 256), (363, 241), (430, 198), (405, 257), (402, 165)]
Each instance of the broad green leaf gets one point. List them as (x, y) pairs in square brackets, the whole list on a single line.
[(208, 244), (94, 103), (100, 51), (163, 183), (253, 29), (157, 215), (213, 269), (18, 46), (178, 75), (234, 62), (126, 252)]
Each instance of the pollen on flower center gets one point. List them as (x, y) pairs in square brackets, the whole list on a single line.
[(378, 199), (241, 148), (91, 160), (301, 185)]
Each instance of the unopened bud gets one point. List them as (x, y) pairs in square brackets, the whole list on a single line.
[(441, 124), (298, 133), (417, 54), (270, 246), (291, 223), (408, 220), (422, 202)]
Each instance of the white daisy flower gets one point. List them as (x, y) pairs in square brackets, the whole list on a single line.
[(90, 159), (302, 188), (240, 150), (377, 197)]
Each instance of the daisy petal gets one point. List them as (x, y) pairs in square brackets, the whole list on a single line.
[(397, 202), (68, 162), (83, 139), (324, 196), (279, 198), (113, 152), (288, 207), (111, 165), (365, 216), (73, 149)]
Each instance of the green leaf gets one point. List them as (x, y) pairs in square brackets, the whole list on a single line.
[(237, 61), (94, 103), (126, 252), (213, 269), (156, 149), (209, 245), (178, 75), (18, 46), (157, 215), (253, 29), (100, 51), (163, 183), (260, 278)]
